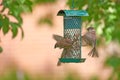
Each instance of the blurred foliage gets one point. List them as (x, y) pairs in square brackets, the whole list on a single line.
[(14, 74), (47, 19), (104, 14), (94, 78), (114, 63), (1, 49), (11, 74), (72, 76), (43, 1), (14, 8)]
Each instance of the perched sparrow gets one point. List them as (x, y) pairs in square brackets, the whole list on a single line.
[(90, 39), (65, 43)]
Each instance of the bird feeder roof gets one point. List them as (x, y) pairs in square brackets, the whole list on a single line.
[(72, 13)]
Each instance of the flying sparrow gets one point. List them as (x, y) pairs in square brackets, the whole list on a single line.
[(89, 38)]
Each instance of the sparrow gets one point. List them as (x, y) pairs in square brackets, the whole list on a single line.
[(89, 38), (64, 43)]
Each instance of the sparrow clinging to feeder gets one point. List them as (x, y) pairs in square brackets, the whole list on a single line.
[(65, 43), (89, 38)]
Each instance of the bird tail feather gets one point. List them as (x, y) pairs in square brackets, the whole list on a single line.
[(57, 37), (58, 63), (93, 53)]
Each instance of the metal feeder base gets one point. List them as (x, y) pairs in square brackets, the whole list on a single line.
[(71, 60)]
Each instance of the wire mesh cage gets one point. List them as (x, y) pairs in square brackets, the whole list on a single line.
[(72, 31)]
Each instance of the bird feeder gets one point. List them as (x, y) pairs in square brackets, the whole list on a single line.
[(72, 26)]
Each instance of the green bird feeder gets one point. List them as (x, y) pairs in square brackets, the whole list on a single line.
[(72, 25)]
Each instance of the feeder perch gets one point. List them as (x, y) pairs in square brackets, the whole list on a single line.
[(72, 26)]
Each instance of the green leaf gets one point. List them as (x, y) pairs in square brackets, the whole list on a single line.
[(26, 8), (1, 24), (45, 20), (113, 61), (22, 1), (15, 27), (1, 50), (20, 20), (111, 18), (15, 11), (18, 17), (116, 33), (94, 77), (108, 38), (44, 1), (22, 32), (28, 2), (5, 27)]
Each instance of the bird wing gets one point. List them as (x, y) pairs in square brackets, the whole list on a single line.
[(57, 37), (84, 41), (88, 39)]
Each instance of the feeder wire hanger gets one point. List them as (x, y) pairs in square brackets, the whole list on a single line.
[(72, 5)]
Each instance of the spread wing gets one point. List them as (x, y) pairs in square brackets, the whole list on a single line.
[(57, 37)]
